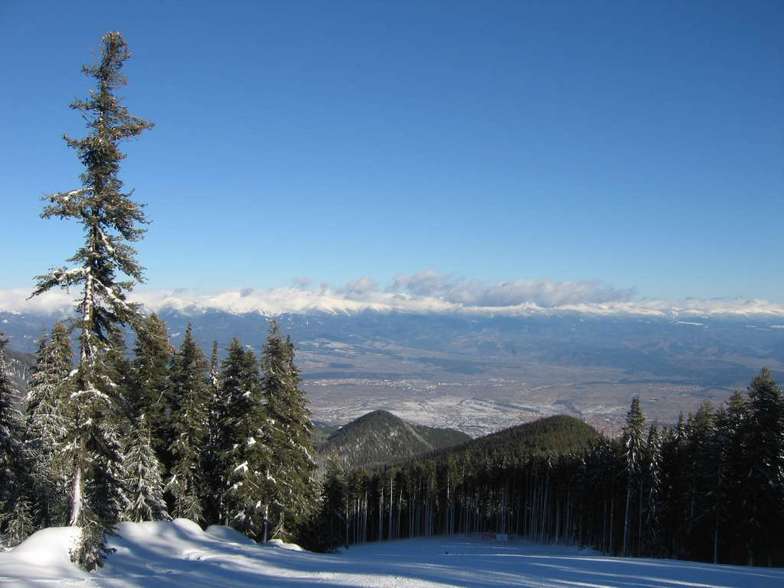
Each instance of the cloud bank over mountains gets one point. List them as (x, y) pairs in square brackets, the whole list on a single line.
[(423, 292)]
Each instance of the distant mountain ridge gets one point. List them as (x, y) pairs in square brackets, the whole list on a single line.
[(479, 374), (552, 436), (370, 442), (380, 437), (555, 435)]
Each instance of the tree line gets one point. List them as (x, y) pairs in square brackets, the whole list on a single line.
[(709, 488), (218, 442), (166, 432)]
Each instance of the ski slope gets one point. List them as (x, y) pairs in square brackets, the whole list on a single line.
[(179, 553)]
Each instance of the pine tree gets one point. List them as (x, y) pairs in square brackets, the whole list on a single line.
[(150, 390), (117, 366), (12, 466), (634, 446), (704, 455), (105, 268), (214, 486), (105, 488), (288, 431), (189, 389), (328, 528), (245, 449), (729, 540), (142, 476), (48, 425), (764, 464), (17, 524), (674, 488), (653, 480)]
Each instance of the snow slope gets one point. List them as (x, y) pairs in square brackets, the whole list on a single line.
[(181, 554)]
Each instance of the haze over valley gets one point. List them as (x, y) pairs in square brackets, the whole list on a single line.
[(480, 373)]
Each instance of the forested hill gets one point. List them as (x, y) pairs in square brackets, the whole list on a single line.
[(551, 436), (381, 437), (547, 437)]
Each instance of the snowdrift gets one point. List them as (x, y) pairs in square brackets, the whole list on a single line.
[(180, 553), (44, 558)]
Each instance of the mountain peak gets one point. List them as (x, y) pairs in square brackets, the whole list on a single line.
[(380, 437)]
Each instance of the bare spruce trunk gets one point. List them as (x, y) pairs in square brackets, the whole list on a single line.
[(266, 521), (381, 512), (391, 508), (76, 496), (716, 538), (639, 522), (626, 519)]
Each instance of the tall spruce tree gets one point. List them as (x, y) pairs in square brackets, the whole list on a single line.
[(17, 525), (633, 451), (142, 476), (214, 486), (12, 465), (704, 454), (764, 464), (729, 540), (288, 432), (189, 389), (48, 414), (150, 389), (105, 269), (247, 451), (653, 478)]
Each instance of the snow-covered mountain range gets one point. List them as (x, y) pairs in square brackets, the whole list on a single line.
[(477, 371)]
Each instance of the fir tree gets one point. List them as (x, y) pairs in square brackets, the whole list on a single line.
[(117, 371), (214, 486), (17, 524), (150, 389), (143, 476), (674, 488), (244, 447), (329, 524), (633, 446), (703, 478), (764, 464), (47, 409), (729, 541), (105, 269), (288, 431), (189, 390), (653, 480), (11, 457)]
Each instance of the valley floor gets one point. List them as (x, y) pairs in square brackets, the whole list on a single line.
[(181, 554)]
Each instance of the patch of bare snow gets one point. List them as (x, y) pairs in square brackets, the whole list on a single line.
[(179, 553)]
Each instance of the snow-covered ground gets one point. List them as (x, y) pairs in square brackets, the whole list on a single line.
[(181, 554)]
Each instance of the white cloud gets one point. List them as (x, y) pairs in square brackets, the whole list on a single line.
[(423, 292), (544, 293), (16, 300)]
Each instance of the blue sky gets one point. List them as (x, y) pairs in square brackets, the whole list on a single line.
[(640, 144)]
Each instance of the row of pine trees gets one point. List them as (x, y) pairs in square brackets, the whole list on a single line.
[(709, 488), (224, 442), (165, 433)]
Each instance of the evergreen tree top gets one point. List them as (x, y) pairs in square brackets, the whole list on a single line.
[(105, 264)]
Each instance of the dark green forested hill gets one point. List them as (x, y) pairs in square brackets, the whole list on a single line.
[(503, 482), (381, 437), (555, 435)]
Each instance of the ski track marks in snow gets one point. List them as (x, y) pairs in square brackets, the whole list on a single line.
[(179, 553)]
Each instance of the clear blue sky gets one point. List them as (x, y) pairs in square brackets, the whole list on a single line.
[(638, 143)]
